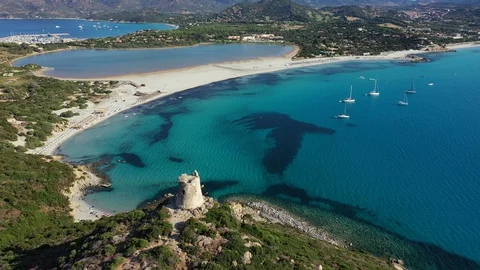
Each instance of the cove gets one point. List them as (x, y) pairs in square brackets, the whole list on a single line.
[(410, 172)]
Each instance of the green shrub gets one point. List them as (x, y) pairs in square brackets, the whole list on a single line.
[(116, 262), (67, 114), (109, 250), (32, 142), (162, 255), (6, 146), (21, 149), (154, 231), (134, 244), (7, 131), (222, 217)]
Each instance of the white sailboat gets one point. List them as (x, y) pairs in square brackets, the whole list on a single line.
[(349, 99), (343, 115), (412, 89), (403, 102), (374, 92)]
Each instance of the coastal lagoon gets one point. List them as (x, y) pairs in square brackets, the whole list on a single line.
[(77, 28), (108, 63), (385, 175)]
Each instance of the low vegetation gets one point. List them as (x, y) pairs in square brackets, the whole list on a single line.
[(145, 237), (33, 211), (27, 102)]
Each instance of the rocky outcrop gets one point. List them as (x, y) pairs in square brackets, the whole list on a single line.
[(247, 257), (262, 211), (416, 58)]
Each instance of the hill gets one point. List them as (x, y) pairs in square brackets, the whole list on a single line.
[(80, 8), (88, 8), (215, 236), (269, 10)]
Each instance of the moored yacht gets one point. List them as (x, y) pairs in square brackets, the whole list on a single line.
[(349, 99), (412, 89), (343, 115), (403, 102), (374, 92)]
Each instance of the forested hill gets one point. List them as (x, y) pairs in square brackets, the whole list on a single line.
[(88, 8), (269, 10)]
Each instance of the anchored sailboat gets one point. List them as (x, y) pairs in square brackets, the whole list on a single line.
[(374, 92), (403, 102), (411, 90), (344, 115), (349, 99)]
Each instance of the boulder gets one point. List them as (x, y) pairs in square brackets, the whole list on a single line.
[(204, 241), (247, 257)]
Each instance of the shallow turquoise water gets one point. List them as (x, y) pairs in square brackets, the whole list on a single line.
[(103, 63), (413, 171), (88, 29)]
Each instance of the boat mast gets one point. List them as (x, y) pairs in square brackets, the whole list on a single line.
[(351, 86), (345, 110)]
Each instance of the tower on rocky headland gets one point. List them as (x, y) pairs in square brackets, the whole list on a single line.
[(189, 195)]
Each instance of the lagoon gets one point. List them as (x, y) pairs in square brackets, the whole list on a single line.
[(395, 180), (77, 28), (108, 63)]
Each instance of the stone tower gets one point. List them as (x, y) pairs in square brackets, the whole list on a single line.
[(189, 195)]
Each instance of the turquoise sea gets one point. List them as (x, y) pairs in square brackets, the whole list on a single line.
[(77, 28), (397, 181), (104, 63)]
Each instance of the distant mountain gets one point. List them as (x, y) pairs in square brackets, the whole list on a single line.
[(324, 3), (268, 10), (86, 8)]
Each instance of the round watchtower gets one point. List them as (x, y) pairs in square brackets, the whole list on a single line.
[(189, 195)]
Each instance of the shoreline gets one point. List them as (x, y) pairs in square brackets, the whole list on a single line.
[(274, 214), (173, 82), (85, 181)]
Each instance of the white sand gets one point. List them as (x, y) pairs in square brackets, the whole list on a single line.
[(463, 45), (173, 81), (81, 210)]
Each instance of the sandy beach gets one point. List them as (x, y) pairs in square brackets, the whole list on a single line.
[(81, 210), (164, 83)]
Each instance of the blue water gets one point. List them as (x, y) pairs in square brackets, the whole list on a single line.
[(102, 63), (413, 171), (71, 26)]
